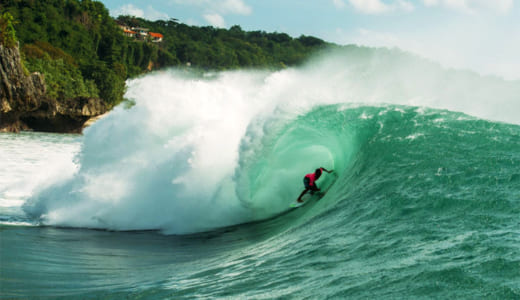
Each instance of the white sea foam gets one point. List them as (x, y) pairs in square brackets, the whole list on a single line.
[(32, 161)]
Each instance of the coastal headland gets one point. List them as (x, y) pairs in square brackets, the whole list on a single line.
[(67, 62)]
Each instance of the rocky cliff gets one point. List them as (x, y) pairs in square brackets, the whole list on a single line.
[(25, 106)]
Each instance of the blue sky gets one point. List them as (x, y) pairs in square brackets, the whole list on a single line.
[(481, 35)]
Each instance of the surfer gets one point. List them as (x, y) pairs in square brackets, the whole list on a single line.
[(310, 182)]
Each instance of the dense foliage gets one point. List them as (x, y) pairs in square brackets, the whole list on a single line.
[(82, 51), (216, 48), (7, 32)]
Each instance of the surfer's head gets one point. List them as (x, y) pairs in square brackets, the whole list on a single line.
[(318, 172)]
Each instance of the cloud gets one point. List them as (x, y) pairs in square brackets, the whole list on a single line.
[(370, 6), (152, 14), (215, 20), (215, 10), (431, 2), (473, 6), (130, 10), (223, 7), (149, 13), (338, 3), (376, 7), (235, 7), (405, 5)]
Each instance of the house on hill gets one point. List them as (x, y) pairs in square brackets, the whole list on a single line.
[(129, 33), (140, 33), (155, 37), (127, 30)]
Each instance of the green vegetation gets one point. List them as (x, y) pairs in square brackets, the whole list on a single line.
[(83, 52), (7, 32), (62, 77), (63, 40), (214, 48)]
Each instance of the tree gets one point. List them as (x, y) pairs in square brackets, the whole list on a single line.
[(7, 32)]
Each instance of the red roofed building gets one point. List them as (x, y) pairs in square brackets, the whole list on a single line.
[(156, 37), (129, 33)]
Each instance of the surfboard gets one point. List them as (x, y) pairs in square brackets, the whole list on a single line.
[(306, 199), (297, 204)]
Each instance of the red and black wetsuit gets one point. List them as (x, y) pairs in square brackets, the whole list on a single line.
[(309, 181)]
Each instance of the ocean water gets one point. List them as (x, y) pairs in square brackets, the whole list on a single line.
[(186, 194)]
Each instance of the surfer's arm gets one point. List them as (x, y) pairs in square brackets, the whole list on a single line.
[(327, 170)]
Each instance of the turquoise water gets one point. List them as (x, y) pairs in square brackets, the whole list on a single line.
[(426, 205), (190, 201)]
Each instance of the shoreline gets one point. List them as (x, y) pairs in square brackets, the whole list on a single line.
[(93, 120)]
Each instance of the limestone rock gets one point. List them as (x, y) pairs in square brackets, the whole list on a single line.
[(25, 106)]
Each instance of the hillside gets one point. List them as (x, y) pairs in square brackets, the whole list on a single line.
[(83, 52)]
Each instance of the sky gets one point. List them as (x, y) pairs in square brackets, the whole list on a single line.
[(479, 35)]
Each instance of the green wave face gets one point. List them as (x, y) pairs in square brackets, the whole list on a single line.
[(409, 168), (394, 160)]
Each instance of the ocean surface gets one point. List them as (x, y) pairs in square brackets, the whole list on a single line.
[(185, 193)]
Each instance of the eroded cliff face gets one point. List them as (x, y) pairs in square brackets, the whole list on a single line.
[(25, 106), (18, 92)]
